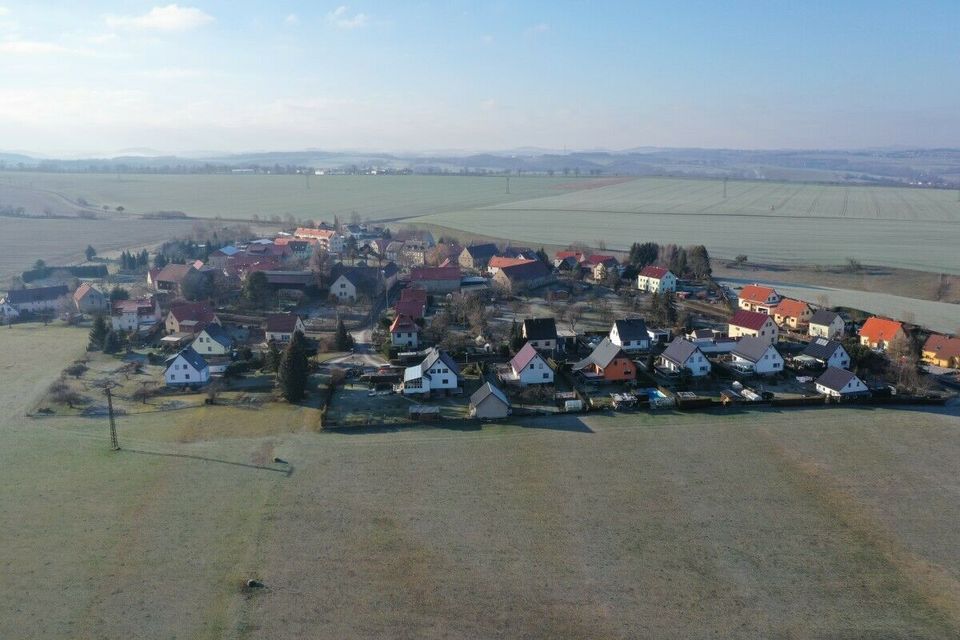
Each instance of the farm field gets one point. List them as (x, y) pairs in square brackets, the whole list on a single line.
[(62, 240), (832, 523)]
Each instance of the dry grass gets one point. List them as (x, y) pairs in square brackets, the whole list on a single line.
[(819, 523)]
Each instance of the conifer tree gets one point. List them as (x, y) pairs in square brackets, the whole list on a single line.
[(98, 333), (293, 372)]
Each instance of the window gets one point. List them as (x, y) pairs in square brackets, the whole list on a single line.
[(533, 344), (444, 381), (186, 377), (546, 376)]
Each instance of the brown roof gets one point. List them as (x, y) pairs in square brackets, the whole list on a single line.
[(791, 308), (282, 322), (749, 319), (757, 293), (530, 270), (403, 323), (199, 312), (498, 262), (654, 272), (434, 273), (173, 273), (82, 290), (875, 329), (945, 347)]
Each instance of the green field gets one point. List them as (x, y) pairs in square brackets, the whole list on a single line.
[(781, 223), (820, 523)]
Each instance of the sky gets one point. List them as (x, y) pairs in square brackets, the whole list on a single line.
[(99, 77)]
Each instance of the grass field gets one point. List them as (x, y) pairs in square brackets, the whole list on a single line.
[(823, 523)]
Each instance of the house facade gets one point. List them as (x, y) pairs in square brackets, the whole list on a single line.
[(827, 353), (607, 363), (941, 351), (404, 332), (477, 256), (187, 368), (135, 316), (541, 333), (35, 300), (756, 355), (89, 299), (753, 324), (682, 354), (189, 317), (213, 340), (758, 298), (436, 279), (653, 279), (524, 276), (280, 327), (529, 367), (630, 335), (826, 324), (838, 383), (792, 314), (489, 403), (878, 333), (437, 372)]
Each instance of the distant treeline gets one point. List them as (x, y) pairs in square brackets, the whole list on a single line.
[(86, 271)]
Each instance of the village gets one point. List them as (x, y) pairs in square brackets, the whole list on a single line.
[(373, 326)]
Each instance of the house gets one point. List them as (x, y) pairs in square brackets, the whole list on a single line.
[(529, 367), (756, 355), (7, 312), (136, 316), (941, 351), (826, 324), (878, 333), (753, 324), (437, 372), (189, 317), (414, 252), (36, 299), (477, 256), (682, 355), (213, 340), (630, 335), (277, 279), (541, 333), (171, 277), (89, 299), (711, 340), (608, 363), (838, 383), (327, 239), (350, 283), (592, 261), (654, 279), (577, 256), (280, 327), (826, 353), (489, 403), (523, 277), (758, 298), (393, 250), (404, 332), (412, 303), (524, 253), (498, 262), (436, 279), (791, 313), (216, 259), (187, 368)]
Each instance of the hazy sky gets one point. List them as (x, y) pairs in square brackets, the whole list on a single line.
[(84, 77)]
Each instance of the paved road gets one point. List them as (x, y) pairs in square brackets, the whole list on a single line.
[(363, 352)]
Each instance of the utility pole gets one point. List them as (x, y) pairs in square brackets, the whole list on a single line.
[(114, 443)]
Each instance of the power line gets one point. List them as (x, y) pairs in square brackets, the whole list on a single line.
[(114, 443)]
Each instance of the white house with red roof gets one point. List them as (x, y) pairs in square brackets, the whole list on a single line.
[(280, 327), (138, 315), (756, 297), (753, 324), (404, 332), (654, 279), (528, 367)]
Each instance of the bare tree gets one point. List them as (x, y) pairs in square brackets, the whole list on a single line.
[(575, 315)]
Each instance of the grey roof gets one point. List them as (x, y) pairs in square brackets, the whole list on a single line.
[(835, 378), (752, 348), (488, 390), (540, 328), (219, 335), (526, 271), (632, 329), (434, 354), (483, 251), (363, 278), (821, 348), (602, 355), (38, 294), (193, 358), (824, 317), (679, 351)]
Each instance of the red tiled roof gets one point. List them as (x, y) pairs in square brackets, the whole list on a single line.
[(403, 323), (791, 308), (875, 329), (757, 293), (562, 255), (282, 322), (945, 347), (199, 312), (499, 262), (654, 272), (598, 258), (749, 319), (523, 358), (82, 290), (173, 273)]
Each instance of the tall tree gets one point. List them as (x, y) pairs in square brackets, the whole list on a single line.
[(342, 340), (698, 259), (256, 290), (98, 332), (644, 254), (294, 369), (90, 252), (119, 293)]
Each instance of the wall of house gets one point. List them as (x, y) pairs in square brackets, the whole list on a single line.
[(832, 331), (489, 408), (404, 339), (182, 373), (620, 369), (205, 345), (536, 372)]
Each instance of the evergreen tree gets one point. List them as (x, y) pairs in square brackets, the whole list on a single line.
[(543, 257), (698, 259), (644, 254), (90, 252), (143, 260), (256, 290), (273, 358), (294, 369), (342, 341), (160, 261), (112, 343), (98, 332), (119, 293)]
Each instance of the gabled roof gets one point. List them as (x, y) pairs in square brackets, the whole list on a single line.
[(604, 353), (282, 322), (83, 290), (531, 270), (656, 273), (482, 251), (199, 312), (791, 308), (516, 252), (499, 262), (140, 306), (598, 258), (539, 328), (486, 390), (403, 323), (757, 293), (749, 319), (632, 329), (835, 378), (434, 354), (876, 329), (174, 273), (679, 351), (219, 335), (563, 255), (364, 278), (38, 294), (821, 348), (193, 358), (824, 317), (413, 294), (421, 274), (942, 346), (752, 348), (526, 354)]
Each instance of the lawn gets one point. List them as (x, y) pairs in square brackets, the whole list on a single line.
[(820, 523)]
